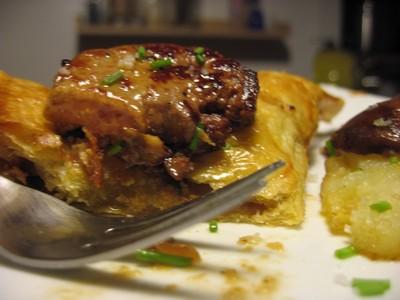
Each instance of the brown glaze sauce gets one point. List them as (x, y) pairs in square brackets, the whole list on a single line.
[(180, 249), (375, 130), (161, 107)]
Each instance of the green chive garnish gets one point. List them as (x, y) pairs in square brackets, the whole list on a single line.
[(161, 64), (381, 206), (196, 137), (370, 287), (115, 148), (213, 226), (393, 160), (345, 252), (200, 59), (330, 148), (141, 52), (112, 78), (150, 256), (199, 55), (199, 50)]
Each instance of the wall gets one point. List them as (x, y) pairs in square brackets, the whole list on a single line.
[(312, 22), (36, 34)]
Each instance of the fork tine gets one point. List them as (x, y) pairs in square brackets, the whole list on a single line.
[(210, 197), (160, 227), (139, 235)]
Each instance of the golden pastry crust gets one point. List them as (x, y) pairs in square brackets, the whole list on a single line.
[(27, 141), (29, 147), (286, 117), (21, 119)]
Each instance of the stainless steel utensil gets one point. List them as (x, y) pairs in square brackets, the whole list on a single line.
[(38, 230)]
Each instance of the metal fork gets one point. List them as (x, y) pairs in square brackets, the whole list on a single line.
[(38, 230)]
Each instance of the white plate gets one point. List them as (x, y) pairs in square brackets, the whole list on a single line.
[(305, 269)]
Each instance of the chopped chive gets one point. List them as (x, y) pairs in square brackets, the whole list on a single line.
[(161, 63), (115, 148), (370, 287), (213, 226), (346, 252), (150, 256), (200, 59), (199, 55), (330, 148), (199, 50), (381, 206), (195, 139), (113, 78), (227, 146), (394, 160), (141, 52)]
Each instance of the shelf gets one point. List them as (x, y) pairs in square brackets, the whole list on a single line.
[(234, 42), (206, 30)]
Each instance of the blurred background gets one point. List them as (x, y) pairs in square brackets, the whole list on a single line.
[(351, 43)]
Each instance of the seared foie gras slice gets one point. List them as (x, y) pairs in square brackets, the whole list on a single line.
[(155, 99), (376, 130), (32, 154), (70, 167)]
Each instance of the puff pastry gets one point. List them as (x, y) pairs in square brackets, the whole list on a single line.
[(286, 118), (287, 115)]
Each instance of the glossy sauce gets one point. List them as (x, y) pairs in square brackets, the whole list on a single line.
[(143, 92), (180, 249), (154, 110), (375, 130)]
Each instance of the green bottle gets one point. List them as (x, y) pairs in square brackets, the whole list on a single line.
[(335, 66)]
